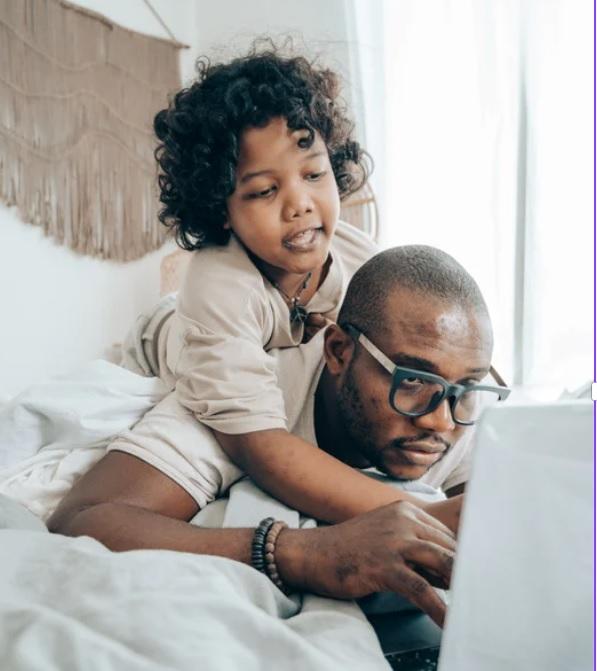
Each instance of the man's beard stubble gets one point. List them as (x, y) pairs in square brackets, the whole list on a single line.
[(361, 431), (353, 416)]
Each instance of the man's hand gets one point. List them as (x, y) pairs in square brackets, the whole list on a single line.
[(447, 512), (380, 551)]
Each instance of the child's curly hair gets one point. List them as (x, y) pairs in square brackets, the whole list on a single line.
[(201, 128)]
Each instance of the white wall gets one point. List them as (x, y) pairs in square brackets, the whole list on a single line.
[(228, 26), (323, 29), (58, 308)]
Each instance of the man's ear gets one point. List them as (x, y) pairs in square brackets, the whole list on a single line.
[(338, 349)]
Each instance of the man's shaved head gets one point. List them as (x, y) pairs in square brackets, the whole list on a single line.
[(424, 311), (418, 268)]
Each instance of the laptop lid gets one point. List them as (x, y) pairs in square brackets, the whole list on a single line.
[(522, 589)]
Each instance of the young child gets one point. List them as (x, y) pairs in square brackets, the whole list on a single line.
[(254, 158)]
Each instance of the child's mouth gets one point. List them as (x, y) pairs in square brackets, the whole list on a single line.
[(304, 240)]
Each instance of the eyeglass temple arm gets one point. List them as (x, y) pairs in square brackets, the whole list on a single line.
[(497, 377), (389, 365)]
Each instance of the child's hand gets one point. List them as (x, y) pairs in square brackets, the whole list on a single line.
[(315, 322), (447, 512)]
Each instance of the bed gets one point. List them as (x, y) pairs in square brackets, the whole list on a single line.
[(69, 603)]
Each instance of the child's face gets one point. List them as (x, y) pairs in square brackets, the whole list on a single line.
[(286, 204)]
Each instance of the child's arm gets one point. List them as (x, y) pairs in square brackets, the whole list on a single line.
[(306, 478)]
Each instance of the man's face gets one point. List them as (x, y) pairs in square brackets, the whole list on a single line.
[(422, 333)]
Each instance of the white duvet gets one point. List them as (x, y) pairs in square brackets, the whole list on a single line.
[(70, 603), (56, 430)]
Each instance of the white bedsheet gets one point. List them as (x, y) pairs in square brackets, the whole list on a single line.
[(72, 604), (54, 431), (69, 603)]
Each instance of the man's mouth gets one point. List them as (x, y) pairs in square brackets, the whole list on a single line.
[(420, 446), (304, 239), (422, 453)]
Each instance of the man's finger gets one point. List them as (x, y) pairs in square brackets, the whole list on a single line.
[(433, 579), (438, 535), (419, 592), (430, 556)]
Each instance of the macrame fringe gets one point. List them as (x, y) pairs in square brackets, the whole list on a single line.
[(77, 99)]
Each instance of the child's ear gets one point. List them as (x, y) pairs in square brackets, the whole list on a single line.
[(338, 349), (226, 225)]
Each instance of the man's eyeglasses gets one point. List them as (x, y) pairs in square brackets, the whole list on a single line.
[(415, 393)]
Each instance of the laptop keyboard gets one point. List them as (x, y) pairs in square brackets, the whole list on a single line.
[(414, 660)]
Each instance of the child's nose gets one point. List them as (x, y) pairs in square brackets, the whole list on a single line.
[(297, 203)]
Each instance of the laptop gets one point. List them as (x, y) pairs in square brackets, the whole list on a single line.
[(522, 587), (409, 639)]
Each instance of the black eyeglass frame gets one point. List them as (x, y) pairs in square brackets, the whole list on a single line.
[(453, 392)]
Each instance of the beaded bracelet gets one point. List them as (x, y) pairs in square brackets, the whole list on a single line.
[(271, 568), (258, 544), (263, 549)]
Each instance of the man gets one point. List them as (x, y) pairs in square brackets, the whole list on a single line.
[(395, 389)]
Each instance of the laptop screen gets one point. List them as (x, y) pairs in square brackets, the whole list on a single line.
[(522, 588)]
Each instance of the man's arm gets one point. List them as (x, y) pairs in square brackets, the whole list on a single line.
[(127, 504)]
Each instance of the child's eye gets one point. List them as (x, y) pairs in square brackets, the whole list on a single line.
[(261, 194), (314, 176)]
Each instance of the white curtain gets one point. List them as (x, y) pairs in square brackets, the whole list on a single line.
[(479, 116)]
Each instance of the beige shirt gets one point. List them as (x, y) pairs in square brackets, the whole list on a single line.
[(171, 439), (228, 316)]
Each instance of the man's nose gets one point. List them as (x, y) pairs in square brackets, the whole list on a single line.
[(439, 421), (297, 202)]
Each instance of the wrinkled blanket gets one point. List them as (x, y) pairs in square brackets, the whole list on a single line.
[(69, 603), (53, 432)]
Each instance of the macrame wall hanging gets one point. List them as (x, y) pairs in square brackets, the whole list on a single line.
[(77, 98)]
